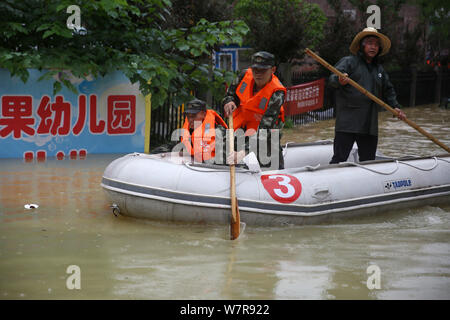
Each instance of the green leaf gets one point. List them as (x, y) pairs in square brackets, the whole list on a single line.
[(195, 52), (61, 6), (182, 46), (48, 75), (43, 26), (18, 27), (48, 33), (69, 86), (56, 87), (203, 69)]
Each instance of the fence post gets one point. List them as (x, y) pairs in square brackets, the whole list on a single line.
[(148, 122)]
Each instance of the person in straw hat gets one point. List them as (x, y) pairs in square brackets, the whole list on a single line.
[(357, 114)]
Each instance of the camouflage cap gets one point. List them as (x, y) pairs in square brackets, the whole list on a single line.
[(263, 60), (195, 106)]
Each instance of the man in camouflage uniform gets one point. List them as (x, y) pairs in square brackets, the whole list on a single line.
[(259, 78), (198, 117)]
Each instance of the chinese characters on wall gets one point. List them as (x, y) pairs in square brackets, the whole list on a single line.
[(55, 118)]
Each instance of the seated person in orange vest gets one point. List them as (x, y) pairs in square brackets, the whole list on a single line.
[(202, 133), (200, 129), (256, 102)]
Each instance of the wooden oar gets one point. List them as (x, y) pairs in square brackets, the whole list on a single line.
[(235, 218), (374, 98)]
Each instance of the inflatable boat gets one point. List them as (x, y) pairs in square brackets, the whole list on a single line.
[(308, 191)]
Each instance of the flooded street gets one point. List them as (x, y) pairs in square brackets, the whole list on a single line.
[(396, 138), (123, 258)]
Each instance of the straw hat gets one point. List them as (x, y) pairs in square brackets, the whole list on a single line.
[(369, 31)]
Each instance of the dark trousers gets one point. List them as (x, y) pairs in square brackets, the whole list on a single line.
[(343, 143)]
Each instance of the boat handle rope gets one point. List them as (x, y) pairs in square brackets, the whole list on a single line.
[(373, 170), (313, 168), (423, 169), (189, 166), (397, 163), (444, 160), (305, 168), (285, 148)]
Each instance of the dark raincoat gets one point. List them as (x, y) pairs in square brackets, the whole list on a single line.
[(355, 112)]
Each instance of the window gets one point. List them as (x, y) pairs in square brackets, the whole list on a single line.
[(225, 61)]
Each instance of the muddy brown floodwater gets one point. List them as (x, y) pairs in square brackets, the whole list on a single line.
[(122, 258)]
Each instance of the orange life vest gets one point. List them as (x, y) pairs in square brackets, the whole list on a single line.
[(202, 143), (252, 107)]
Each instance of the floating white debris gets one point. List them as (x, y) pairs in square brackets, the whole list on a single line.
[(31, 206)]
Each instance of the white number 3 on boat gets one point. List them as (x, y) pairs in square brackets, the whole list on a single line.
[(284, 182), (282, 187)]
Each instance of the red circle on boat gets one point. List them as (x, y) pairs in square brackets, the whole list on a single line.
[(283, 188)]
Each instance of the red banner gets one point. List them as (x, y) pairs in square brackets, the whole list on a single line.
[(305, 97)]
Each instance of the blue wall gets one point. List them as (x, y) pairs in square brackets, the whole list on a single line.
[(106, 116)]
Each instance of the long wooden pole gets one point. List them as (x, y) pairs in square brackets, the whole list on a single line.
[(374, 98), (235, 218)]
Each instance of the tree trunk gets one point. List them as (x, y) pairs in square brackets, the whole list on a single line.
[(285, 71), (412, 92), (437, 92)]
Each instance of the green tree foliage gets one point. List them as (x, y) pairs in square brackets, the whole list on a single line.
[(282, 27), (132, 36), (338, 34), (435, 14), (410, 51), (186, 13)]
